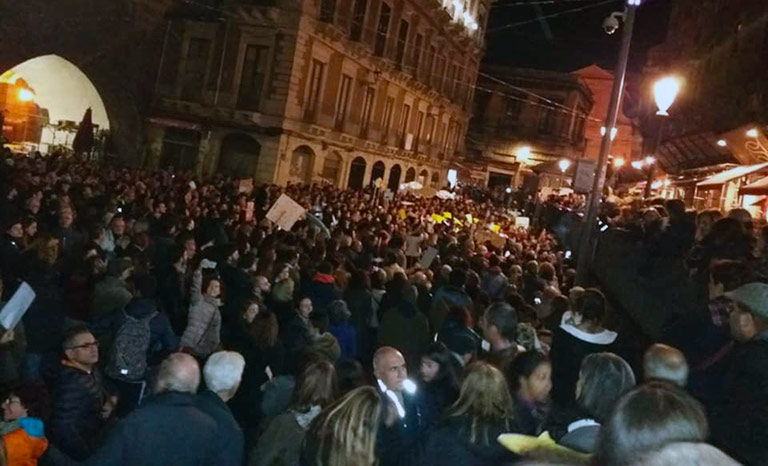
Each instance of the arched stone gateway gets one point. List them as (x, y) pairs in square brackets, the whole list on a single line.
[(122, 64), (357, 173), (332, 167), (424, 177), (410, 175)]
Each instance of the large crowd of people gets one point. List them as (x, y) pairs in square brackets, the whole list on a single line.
[(174, 324)]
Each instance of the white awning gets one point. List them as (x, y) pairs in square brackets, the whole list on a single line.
[(732, 174)]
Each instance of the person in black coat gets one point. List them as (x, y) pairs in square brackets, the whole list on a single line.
[(10, 256), (467, 436), (222, 372), (80, 401), (580, 334), (439, 377), (169, 428)]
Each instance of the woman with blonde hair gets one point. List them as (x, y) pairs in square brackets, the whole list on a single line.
[(468, 433), (345, 433)]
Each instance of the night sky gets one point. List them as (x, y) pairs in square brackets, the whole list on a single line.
[(570, 40)]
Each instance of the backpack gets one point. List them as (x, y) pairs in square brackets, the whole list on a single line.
[(128, 359)]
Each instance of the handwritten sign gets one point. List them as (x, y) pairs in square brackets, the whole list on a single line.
[(285, 212)]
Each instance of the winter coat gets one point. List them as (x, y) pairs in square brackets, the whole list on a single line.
[(26, 444), (326, 346), (109, 295), (321, 290), (405, 328), (229, 436), (166, 429), (76, 422), (740, 423), (44, 320), (399, 442), (280, 443), (449, 445), (10, 263), (445, 298), (203, 333), (162, 340), (569, 348), (347, 337), (582, 436)]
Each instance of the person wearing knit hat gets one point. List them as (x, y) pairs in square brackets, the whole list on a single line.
[(746, 394)]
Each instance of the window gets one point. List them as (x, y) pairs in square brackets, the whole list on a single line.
[(180, 149), (430, 129), (450, 80), (419, 128), (458, 84), (313, 93), (195, 68), (428, 64), (342, 102), (404, 117), (386, 121), (382, 29), (549, 118), (358, 19), (327, 10), (368, 99), (402, 41), (252, 79), (578, 131), (437, 76), (417, 45)]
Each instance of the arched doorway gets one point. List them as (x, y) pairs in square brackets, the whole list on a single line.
[(45, 100), (435, 180), (377, 171), (300, 170), (239, 155), (424, 177), (331, 168), (356, 173), (410, 175), (394, 178)]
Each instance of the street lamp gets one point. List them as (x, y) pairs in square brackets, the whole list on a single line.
[(752, 133), (522, 155), (614, 131), (722, 143), (586, 246), (618, 163), (665, 92), (26, 95), (650, 160), (637, 164)]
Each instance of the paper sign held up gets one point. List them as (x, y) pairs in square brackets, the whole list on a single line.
[(522, 222), (15, 308), (285, 212)]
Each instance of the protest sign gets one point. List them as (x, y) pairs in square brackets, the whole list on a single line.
[(427, 257), (285, 212), (522, 222), (15, 308)]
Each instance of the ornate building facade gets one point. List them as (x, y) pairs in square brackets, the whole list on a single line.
[(341, 91)]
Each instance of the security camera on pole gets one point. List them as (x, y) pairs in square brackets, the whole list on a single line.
[(610, 25)]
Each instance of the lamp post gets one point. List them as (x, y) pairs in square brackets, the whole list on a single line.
[(665, 92), (586, 246)]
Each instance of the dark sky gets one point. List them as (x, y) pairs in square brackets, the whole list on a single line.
[(576, 38)]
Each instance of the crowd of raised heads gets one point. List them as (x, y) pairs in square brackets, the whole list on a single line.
[(173, 323)]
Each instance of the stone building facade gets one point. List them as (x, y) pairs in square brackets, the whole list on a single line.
[(341, 91), (527, 118)]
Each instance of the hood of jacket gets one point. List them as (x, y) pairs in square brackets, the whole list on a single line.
[(140, 308)]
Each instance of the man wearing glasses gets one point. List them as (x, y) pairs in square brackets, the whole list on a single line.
[(81, 404)]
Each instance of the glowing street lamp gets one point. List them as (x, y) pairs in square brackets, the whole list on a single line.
[(752, 133), (722, 143), (614, 131), (665, 92), (25, 95), (650, 160), (523, 154), (637, 165), (618, 163), (564, 164)]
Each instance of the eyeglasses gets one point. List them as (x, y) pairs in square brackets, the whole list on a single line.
[(84, 345)]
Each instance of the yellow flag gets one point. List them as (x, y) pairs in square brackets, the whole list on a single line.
[(447, 215), (495, 228), (456, 221), (437, 218), (401, 213)]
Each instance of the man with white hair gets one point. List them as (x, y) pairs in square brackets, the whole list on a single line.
[(222, 372), (168, 428)]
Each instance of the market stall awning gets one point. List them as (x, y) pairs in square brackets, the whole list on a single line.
[(759, 187), (732, 174)]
